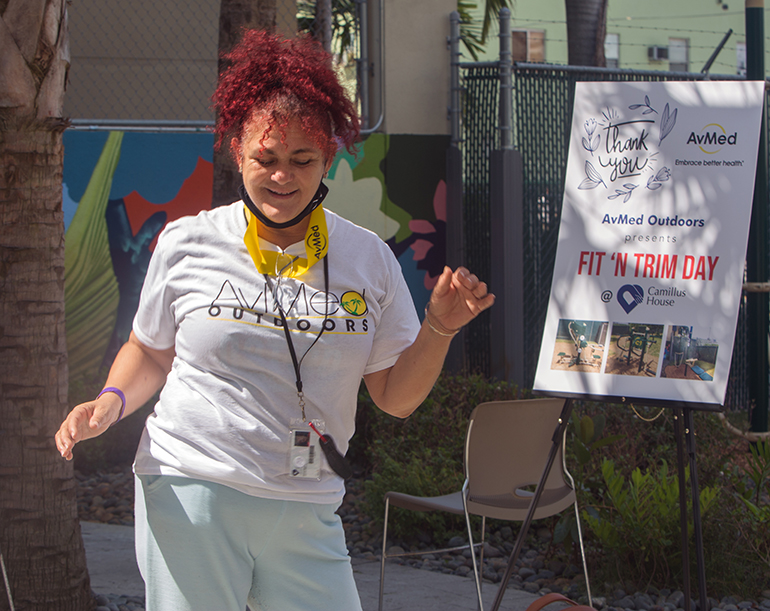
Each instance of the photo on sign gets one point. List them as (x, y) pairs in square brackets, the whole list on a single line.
[(634, 349), (580, 345), (687, 356)]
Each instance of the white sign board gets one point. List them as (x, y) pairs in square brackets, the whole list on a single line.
[(649, 265)]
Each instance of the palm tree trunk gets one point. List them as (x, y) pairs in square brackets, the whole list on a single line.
[(39, 529), (234, 15), (586, 30)]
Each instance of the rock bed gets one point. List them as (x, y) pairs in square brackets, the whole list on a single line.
[(108, 497)]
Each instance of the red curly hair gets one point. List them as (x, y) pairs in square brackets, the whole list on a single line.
[(282, 80)]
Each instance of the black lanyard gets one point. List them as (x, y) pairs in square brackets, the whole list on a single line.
[(336, 460), (298, 362)]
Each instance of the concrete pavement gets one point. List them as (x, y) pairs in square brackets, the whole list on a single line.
[(113, 570)]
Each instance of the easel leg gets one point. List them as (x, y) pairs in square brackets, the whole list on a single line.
[(557, 438), (678, 418), (696, 517)]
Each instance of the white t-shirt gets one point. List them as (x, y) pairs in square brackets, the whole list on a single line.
[(224, 413)]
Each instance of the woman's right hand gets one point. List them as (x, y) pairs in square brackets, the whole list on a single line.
[(139, 371), (87, 420)]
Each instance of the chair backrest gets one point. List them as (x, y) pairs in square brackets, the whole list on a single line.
[(506, 450)]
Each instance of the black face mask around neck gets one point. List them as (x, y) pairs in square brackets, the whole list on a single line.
[(319, 196)]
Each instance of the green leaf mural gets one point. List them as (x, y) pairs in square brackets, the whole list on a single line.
[(90, 287), (375, 149)]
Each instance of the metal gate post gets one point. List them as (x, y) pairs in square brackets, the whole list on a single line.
[(756, 255), (507, 315), (506, 88), (506, 214), (455, 229)]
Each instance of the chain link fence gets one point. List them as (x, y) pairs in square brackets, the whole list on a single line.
[(480, 84), (155, 62)]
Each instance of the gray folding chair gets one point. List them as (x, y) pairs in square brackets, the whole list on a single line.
[(506, 450)]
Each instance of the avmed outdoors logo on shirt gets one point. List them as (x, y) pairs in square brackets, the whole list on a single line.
[(354, 303), (306, 309)]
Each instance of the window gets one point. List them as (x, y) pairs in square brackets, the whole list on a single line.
[(678, 56), (528, 45), (612, 50), (740, 58)]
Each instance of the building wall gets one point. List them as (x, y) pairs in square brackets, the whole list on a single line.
[(416, 66), (142, 59), (640, 25), (157, 61)]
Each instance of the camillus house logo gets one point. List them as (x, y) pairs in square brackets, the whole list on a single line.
[(630, 296)]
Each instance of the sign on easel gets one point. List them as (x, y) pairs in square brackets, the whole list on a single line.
[(649, 266)]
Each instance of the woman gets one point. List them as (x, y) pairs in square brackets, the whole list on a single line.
[(259, 319)]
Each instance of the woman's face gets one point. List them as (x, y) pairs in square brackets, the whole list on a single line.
[(280, 177)]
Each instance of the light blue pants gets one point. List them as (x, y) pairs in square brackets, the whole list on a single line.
[(206, 547)]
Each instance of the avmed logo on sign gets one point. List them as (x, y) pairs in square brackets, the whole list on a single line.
[(712, 138)]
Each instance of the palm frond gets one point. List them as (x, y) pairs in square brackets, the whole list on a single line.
[(492, 11), (470, 29)]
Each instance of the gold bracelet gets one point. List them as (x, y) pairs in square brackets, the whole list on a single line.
[(445, 332)]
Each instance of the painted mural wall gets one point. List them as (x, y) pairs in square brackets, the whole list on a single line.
[(122, 188)]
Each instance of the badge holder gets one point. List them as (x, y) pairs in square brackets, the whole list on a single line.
[(304, 446)]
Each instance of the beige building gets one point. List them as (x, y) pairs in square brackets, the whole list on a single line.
[(156, 62)]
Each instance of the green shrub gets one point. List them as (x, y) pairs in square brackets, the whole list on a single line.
[(737, 546), (640, 524), (737, 549), (585, 440), (748, 523)]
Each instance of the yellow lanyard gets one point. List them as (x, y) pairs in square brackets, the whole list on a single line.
[(316, 246)]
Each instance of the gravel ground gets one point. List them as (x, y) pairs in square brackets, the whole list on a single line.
[(108, 496)]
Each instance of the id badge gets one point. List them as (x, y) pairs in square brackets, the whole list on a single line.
[(304, 450)]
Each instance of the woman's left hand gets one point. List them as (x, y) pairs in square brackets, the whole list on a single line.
[(458, 298)]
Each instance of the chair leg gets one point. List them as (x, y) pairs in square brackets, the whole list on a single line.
[(5, 580), (481, 553), (583, 554), (473, 551), (568, 475), (384, 548)]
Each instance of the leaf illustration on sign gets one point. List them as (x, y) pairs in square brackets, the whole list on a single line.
[(655, 182), (593, 178), (646, 106), (629, 189), (592, 142), (667, 122)]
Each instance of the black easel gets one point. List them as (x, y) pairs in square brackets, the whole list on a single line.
[(682, 415)]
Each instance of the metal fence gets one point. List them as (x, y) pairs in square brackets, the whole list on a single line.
[(153, 62), (543, 98), (480, 138)]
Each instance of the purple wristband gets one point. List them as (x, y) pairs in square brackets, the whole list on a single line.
[(120, 394)]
